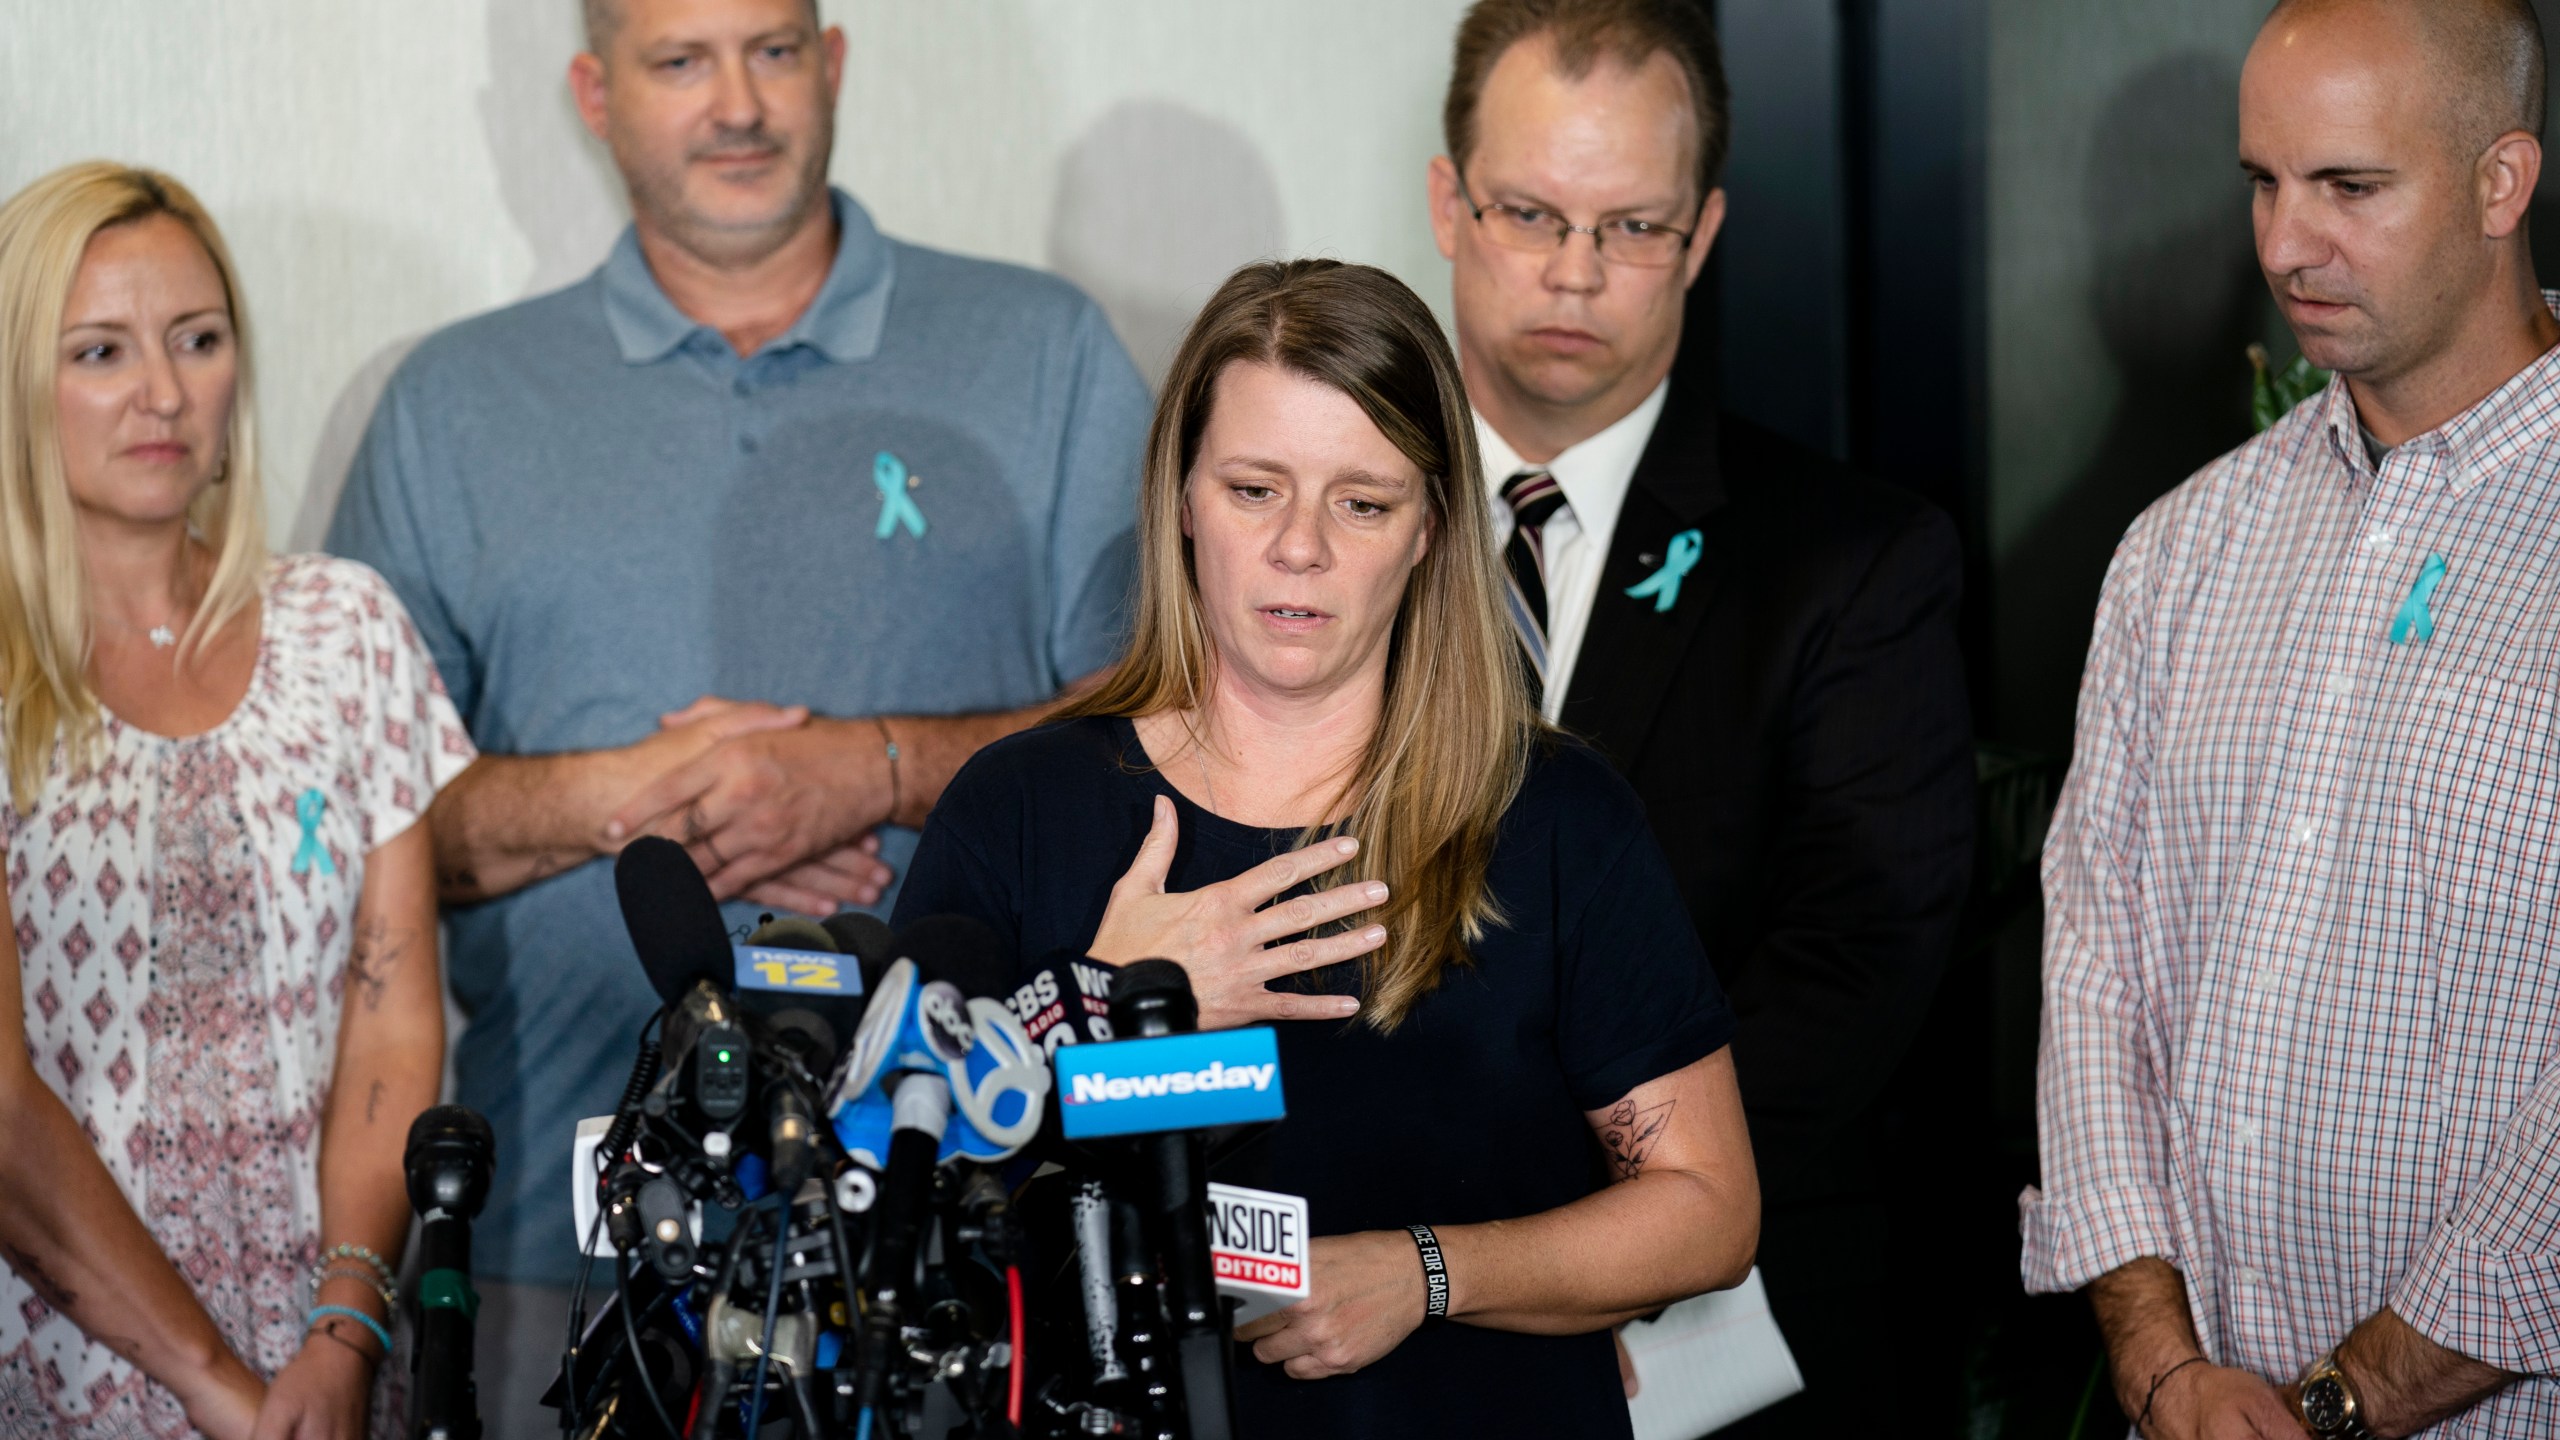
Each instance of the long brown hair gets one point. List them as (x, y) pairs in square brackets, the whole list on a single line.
[(1428, 794), (45, 629)]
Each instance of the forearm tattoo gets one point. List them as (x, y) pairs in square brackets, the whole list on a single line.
[(378, 953), (46, 1287), (1630, 1132)]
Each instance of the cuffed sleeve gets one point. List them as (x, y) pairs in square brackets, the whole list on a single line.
[(2487, 1281), (2100, 1113)]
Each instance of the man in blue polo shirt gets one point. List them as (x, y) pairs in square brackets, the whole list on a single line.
[(749, 538)]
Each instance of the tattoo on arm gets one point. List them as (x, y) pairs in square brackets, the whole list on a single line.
[(378, 952), (1629, 1135), (373, 1101), (47, 1289)]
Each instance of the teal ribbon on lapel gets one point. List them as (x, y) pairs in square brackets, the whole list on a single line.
[(897, 507), (2413, 622), (311, 854), (1664, 584)]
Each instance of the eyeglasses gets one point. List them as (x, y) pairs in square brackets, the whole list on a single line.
[(1625, 241)]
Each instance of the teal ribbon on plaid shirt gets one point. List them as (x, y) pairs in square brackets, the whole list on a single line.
[(2413, 622)]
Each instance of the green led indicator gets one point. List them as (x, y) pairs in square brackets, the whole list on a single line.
[(722, 1056)]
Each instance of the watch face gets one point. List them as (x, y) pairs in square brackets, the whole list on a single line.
[(2324, 1404)]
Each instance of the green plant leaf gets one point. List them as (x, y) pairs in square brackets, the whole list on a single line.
[(2272, 392)]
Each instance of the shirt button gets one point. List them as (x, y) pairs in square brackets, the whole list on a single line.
[(2342, 682), (2378, 540), (2306, 832), (2246, 1132), (2250, 1279)]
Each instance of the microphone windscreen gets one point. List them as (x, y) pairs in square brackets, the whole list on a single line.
[(675, 925), (1153, 997), (792, 933), (960, 950), (867, 938)]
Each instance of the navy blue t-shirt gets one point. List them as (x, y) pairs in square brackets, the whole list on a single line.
[(1472, 1110)]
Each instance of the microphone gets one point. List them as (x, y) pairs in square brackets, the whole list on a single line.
[(448, 1160), (864, 936), (675, 925), (1152, 999), (1066, 1001)]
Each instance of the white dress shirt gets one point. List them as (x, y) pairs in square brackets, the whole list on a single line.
[(1594, 476)]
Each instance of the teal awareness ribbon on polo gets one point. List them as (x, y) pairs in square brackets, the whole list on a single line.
[(1664, 584), (897, 506), (311, 854), (2413, 622)]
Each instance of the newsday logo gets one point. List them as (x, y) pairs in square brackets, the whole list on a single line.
[(1172, 1082)]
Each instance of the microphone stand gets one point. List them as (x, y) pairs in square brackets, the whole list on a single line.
[(449, 1157), (1151, 998)]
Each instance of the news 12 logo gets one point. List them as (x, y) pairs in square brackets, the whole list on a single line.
[(1170, 1082)]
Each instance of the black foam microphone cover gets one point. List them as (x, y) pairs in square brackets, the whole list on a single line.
[(960, 950), (1153, 997), (675, 925), (867, 938)]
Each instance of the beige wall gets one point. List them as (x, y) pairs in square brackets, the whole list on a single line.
[(385, 166)]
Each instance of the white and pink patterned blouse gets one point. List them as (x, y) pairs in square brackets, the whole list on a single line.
[(184, 912)]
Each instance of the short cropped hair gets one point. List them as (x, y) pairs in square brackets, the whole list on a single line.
[(1629, 31), (603, 17), (2486, 58)]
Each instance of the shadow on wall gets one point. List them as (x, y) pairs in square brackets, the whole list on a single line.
[(560, 191), (2176, 297), (1155, 205)]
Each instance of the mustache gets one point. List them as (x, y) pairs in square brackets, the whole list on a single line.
[(728, 141)]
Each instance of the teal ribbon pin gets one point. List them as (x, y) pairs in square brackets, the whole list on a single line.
[(2413, 622), (897, 507), (1664, 584), (311, 854)]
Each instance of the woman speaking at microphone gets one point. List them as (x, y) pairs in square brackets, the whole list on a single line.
[(1316, 781)]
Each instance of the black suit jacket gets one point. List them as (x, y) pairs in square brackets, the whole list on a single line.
[(1798, 729)]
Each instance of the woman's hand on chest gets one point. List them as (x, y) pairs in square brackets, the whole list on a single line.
[(1223, 935)]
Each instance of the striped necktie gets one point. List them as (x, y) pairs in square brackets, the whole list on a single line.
[(1534, 498)]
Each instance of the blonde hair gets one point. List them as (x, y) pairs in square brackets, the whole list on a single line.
[(1427, 796), (45, 619)]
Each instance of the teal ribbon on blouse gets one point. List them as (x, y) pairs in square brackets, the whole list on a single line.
[(2413, 622), (897, 507), (311, 854), (1664, 584)]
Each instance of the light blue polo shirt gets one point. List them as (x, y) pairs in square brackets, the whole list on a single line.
[(596, 511)]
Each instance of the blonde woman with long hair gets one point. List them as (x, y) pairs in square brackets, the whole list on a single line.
[(222, 919), (1495, 1022)]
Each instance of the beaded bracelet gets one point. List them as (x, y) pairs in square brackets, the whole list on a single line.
[(363, 1253), (889, 745), (312, 1321), (323, 1273)]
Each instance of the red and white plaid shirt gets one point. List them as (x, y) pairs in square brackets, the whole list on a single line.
[(2301, 1029)]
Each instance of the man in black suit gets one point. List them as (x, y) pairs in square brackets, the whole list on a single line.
[(1763, 642)]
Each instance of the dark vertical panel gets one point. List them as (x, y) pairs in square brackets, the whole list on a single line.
[(1916, 363), (1779, 273)]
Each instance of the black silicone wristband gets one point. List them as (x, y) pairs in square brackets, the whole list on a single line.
[(1435, 1273)]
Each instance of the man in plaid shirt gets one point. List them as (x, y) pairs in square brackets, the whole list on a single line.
[(2300, 1076)]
